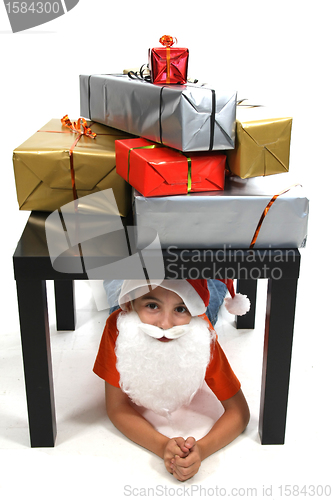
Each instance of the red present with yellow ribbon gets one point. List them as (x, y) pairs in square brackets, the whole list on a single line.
[(168, 64), (65, 160), (156, 170)]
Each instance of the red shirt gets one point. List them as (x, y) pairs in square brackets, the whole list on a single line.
[(219, 375)]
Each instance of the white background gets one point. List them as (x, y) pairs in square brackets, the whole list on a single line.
[(273, 52)]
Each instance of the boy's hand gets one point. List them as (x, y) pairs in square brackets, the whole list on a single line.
[(186, 466), (175, 446)]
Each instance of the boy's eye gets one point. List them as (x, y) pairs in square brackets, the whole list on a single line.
[(151, 305), (181, 309)]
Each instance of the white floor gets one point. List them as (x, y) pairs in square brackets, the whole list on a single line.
[(91, 456)]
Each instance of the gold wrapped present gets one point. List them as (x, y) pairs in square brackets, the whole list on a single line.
[(262, 143), (64, 161)]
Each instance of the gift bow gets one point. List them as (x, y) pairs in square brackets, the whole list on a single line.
[(167, 40), (79, 127)]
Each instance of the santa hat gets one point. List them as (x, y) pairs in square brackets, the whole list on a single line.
[(194, 293)]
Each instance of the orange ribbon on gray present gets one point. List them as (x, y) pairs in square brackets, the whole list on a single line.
[(263, 215)]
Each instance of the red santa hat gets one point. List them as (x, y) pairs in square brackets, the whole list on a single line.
[(194, 293)]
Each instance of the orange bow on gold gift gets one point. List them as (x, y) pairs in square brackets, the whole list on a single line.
[(79, 127)]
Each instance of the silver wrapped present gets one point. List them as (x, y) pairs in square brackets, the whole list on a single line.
[(230, 218), (185, 117)]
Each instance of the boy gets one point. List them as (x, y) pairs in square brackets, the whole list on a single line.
[(156, 352)]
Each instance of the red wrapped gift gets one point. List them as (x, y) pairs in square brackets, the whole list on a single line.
[(156, 170), (168, 65)]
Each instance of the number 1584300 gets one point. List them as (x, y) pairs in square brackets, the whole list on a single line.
[(33, 7)]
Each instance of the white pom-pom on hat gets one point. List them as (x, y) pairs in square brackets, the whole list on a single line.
[(238, 304)]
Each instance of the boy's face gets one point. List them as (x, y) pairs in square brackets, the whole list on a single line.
[(161, 308), (159, 373)]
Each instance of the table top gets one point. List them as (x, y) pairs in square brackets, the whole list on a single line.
[(32, 258)]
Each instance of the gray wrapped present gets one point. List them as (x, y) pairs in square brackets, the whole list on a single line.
[(232, 218), (185, 117)]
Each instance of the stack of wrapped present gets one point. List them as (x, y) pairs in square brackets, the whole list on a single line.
[(169, 144)]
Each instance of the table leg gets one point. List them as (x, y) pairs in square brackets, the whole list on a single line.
[(249, 288), (280, 314), (65, 304), (35, 338)]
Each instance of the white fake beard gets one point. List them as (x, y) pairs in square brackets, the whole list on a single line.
[(161, 376)]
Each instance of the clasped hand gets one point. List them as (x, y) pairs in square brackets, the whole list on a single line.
[(182, 457)]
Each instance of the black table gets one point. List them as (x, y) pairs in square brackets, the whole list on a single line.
[(32, 267)]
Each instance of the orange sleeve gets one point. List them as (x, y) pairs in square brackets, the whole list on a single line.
[(219, 375), (105, 364)]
